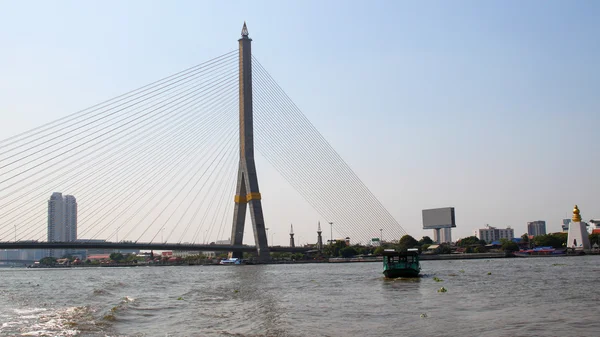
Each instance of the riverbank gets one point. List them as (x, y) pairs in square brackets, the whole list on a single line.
[(423, 257)]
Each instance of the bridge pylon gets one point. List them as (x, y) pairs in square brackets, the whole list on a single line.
[(247, 192)]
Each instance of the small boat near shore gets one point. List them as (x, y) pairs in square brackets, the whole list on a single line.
[(539, 251), (231, 261), (401, 264)]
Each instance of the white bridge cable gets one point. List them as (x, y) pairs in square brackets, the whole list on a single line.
[(168, 157), (219, 154), (215, 183), (98, 157), (113, 131), (94, 174), (230, 90), (106, 116), (80, 114), (329, 170), (153, 181), (103, 185), (223, 165)]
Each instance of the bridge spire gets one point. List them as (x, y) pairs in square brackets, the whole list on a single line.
[(244, 30), (247, 192), (319, 238), (292, 243)]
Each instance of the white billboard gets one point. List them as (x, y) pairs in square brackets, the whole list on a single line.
[(439, 218)]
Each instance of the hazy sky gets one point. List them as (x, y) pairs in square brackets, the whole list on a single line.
[(488, 106)]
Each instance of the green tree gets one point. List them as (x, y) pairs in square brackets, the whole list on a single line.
[(407, 242), (348, 252), (481, 249), (48, 261), (556, 240), (525, 238), (444, 248), (333, 250), (468, 241), (595, 238), (378, 251), (426, 240), (117, 257), (508, 245), (362, 250)]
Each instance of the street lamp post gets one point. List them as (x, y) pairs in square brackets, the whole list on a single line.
[(272, 241), (381, 235), (331, 233)]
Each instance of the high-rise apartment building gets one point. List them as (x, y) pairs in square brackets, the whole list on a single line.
[(536, 228), (62, 220), (490, 234), (565, 225)]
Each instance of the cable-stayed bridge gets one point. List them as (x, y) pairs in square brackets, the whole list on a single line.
[(161, 166)]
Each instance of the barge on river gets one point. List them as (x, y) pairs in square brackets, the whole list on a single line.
[(401, 264)]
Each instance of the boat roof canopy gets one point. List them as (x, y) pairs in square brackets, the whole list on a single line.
[(406, 253)]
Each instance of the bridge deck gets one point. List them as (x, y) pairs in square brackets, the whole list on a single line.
[(142, 246)]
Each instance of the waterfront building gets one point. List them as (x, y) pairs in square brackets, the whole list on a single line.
[(62, 221), (490, 234), (536, 228), (186, 253), (443, 235), (596, 226), (565, 225), (578, 236), (9, 254)]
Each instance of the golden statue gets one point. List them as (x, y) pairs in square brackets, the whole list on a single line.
[(576, 216)]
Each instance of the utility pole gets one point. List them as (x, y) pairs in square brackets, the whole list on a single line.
[(331, 232)]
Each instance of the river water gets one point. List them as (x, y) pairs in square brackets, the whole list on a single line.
[(556, 296)]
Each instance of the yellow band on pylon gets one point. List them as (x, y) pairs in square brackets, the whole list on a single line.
[(240, 199), (253, 196)]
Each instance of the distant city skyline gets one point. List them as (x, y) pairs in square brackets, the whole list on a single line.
[(488, 107)]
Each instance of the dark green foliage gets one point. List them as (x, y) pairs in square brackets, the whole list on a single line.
[(556, 240), (482, 249), (333, 250), (48, 261), (348, 252), (117, 257), (425, 240), (508, 245), (469, 241), (407, 242)]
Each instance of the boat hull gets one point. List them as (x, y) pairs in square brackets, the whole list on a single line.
[(395, 273)]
